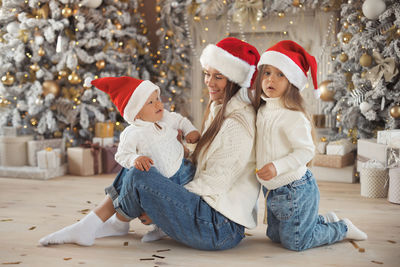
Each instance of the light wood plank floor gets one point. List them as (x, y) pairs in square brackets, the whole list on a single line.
[(30, 209)]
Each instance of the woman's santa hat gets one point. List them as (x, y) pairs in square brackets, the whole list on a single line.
[(128, 94), (233, 58), (290, 58)]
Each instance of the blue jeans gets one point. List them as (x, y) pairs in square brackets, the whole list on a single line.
[(293, 220), (183, 215)]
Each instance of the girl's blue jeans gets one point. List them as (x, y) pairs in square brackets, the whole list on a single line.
[(183, 215), (293, 220)]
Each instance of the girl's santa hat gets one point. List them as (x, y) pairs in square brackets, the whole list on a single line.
[(290, 58), (234, 58), (128, 94)]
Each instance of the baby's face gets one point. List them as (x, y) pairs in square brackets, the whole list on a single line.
[(152, 110)]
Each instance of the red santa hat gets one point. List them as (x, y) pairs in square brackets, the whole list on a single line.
[(235, 59), (290, 58), (127, 93)]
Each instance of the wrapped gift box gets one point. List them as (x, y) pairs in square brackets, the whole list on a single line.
[(394, 185), (36, 145), (369, 149), (29, 172), (342, 175), (49, 158), (108, 158), (84, 161), (374, 180), (333, 161), (9, 131), (339, 147), (321, 147), (107, 141), (104, 129), (388, 136), (13, 150)]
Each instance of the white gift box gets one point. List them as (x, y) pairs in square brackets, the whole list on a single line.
[(49, 158), (388, 136), (103, 141), (35, 146), (321, 147), (339, 147)]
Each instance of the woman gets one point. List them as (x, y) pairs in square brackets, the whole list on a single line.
[(212, 210)]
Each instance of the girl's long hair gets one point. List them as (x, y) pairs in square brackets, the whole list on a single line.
[(291, 99), (206, 139)]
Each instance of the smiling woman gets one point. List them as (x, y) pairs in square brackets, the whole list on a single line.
[(216, 83)]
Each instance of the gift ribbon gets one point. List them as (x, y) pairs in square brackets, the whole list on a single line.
[(386, 68), (95, 150)]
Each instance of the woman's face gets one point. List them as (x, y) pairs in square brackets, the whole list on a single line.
[(274, 82), (216, 83)]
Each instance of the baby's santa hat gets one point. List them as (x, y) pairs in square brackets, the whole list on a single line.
[(290, 58), (235, 59), (128, 94)]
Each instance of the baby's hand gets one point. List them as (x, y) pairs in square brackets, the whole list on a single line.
[(267, 172), (143, 163), (192, 137)]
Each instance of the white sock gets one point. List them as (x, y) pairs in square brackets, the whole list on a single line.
[(154, 235), (353, 232), (330, 217), (113, 227), (81, 233)]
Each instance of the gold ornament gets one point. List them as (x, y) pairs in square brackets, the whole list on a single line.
[(66, 12), (296, 3), (34, 121), (100, 64), (346, 37), (398, 32), (34, 67), (365, 60), (326, 94), (363, 74), (74, 78), (41, 52), (345, 24), (51, 87), (343, 57), (63, 73), (41, 13), (170, 33), (8, 79), (350, 86), (395, 111), (118, 25), (338, 117), (281, 14)]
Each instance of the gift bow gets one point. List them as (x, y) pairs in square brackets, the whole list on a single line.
[(95, 149), (386, 68)]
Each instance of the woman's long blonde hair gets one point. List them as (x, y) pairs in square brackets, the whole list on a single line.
[(291, 99), (206, 139)]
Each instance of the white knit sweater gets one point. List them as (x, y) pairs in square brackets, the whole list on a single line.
[(225, 176), (143, 138), (283, 138)]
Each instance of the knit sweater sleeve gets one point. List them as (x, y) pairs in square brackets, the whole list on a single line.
[(127, 148), (178, 122), (298, 134), (225, 160)]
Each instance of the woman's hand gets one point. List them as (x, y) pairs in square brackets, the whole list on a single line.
[(145, 219), (192, 137), (267, 172), (143, 163)]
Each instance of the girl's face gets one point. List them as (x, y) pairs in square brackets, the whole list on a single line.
[(216, 83), (152, 110), (274, 83)]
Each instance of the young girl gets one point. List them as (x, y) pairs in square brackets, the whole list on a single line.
[(150, 139), (284, 147)]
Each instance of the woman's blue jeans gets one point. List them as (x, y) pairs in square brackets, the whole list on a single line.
[(183, 215), (293, 220)]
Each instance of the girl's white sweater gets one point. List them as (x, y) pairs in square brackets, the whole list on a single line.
[(283, 138), (225, 176)]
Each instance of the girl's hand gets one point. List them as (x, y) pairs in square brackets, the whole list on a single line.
[(143, 163), (192, 137), (267, 172), (145, 219)]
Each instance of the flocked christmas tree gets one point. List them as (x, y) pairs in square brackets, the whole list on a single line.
[(48, 48), (365, 81)]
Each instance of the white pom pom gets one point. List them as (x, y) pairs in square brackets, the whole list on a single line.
[(88, 82), (365, 106), (317, 93)]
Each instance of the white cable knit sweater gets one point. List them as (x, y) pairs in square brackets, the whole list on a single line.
[(283, 138), (143, 138), (225, 176)]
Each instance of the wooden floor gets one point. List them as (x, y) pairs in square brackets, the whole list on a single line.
[(30, 209)]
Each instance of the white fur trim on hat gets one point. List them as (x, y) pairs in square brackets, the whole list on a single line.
[(138, 99), (290, 69), (234, 68)]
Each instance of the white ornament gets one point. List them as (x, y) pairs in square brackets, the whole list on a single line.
[(365, 106), (39, 40), (174, 4), (373, 8), (13, 27), (91, 3)]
